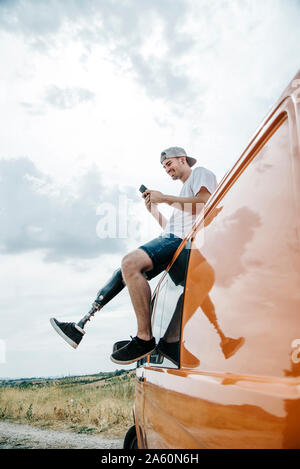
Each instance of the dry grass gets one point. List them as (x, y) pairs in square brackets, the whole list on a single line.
[(82, 405)]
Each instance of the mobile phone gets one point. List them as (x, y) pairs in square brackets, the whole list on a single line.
[(143, 188)]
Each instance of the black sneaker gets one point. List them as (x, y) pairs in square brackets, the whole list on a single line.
[(69, 331), (135, 350), (170, 350)]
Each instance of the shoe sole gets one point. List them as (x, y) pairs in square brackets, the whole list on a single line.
[(64, 336), (128, 362)]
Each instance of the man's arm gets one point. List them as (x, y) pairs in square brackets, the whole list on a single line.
[(153, 209), (189, 204)]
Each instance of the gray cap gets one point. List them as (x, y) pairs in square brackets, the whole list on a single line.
[(176, 152)]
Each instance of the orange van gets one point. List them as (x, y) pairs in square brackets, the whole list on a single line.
[(226, 312)]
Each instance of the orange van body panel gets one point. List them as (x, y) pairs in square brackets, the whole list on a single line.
[(238, 383)]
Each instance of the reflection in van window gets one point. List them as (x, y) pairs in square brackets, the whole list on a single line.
[(168, 312), (244, 293)]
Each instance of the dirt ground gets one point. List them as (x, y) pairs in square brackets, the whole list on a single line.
[(21, 436)]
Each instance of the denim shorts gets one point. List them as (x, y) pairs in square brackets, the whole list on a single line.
[(161, 250)]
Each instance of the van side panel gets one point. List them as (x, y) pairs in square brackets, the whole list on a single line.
[(238, 383), (244, 281), (242, 301), (194, 410)]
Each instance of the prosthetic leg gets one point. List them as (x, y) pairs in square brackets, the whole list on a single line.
[(73, 333), (107, 293)]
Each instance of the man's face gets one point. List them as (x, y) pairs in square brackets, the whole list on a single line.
[(173, 167)]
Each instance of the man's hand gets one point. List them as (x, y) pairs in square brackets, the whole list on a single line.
[(148, 204), (152, 206), (155, 197)]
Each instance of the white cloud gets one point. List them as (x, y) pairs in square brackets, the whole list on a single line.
[(61, 221), (67, 98)]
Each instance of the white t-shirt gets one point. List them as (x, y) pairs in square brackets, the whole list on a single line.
[(181, 222)]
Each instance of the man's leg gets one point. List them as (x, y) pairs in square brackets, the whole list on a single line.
[(133, 266), (73, 333)]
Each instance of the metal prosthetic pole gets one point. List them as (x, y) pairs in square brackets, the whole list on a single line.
[(107, 293)]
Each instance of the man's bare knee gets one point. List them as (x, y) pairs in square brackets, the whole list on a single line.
[(135, 262), (127, 263)]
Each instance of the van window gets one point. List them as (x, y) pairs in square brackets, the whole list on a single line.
[(168, 311), (242, 310)]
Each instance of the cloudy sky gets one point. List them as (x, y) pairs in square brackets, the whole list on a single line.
[(91, 92)]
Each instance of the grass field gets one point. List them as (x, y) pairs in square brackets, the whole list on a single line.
[(85, 404)]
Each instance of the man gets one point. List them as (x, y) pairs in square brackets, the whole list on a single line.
[(152, 258)]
